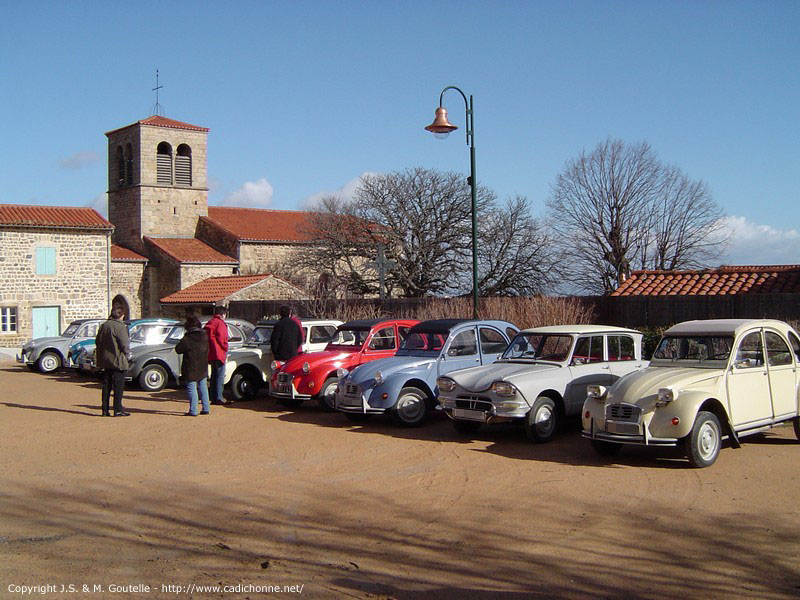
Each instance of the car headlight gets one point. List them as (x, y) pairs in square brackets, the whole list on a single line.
[(445, 384), (378, 378), (598, 392), (306, 368), (665, 396), (275, 365), (503, 388), (341, 372)]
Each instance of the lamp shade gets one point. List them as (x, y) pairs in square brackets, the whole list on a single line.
[(440, 123)]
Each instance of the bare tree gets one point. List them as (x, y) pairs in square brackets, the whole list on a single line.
[(618, 208)]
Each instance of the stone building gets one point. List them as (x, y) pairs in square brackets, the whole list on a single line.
[(54, 268)]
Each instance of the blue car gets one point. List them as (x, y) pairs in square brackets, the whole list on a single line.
[(404, 385)]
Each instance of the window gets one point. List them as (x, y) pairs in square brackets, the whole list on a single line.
[(492, 341), (777, 351), (45, 261), (322, 333), (795, 344), (751, 352), (621, 347), (88, 330), (120, 167), (183, 165), (588, 350), (8, 319), (383, 339), (464, 344), (403, 330), (129, 164), (164, 164)]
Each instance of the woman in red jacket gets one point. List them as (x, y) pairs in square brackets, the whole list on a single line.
[(217, 332)]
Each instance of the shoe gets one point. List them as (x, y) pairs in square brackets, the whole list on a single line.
[(190, 414), (122, 414), (205, 412), (106, 414), (218, 402)]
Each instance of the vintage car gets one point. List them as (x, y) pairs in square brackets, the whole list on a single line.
[(315, 375), (404, 386), (152, 367), (49, 353), (142, 332), (541, 378), (707, 380), (249, 368)]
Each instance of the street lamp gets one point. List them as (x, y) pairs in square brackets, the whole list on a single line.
[(441, 128)]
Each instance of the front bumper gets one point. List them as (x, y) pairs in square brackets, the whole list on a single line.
[(483, 408), (285, 388), (624, 432), (352, 398)]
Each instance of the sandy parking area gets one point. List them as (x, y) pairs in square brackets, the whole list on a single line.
[(254, 495)]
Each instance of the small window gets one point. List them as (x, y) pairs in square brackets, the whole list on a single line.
[(492, 341), (164, 164), (751, 352), (322, 333), (120, 167), (403, 332), (383, 339), (464, 344), (45, 261), (621, 347), (778, 353), (793, 339), (183, 165), (129, 164), (8, 319), (588, 350)]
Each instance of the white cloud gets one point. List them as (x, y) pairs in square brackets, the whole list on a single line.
[(253, 194), (754, 244), (100, 204), (79, 160), (346, 192)]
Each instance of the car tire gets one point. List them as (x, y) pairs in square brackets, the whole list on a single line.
[(541, 422), (358, 417), (411, 407), (327, 394), (603, 448), (48, 362), (703, 443), (153, 378), (796, 422), (466, 427), (244, 386)]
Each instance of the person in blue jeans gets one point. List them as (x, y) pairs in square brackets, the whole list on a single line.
[(217, 332), (194, 368)]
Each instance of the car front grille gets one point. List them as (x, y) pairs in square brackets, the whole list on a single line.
[(351, 389), (623, 412), (284, 377), (473, 403)]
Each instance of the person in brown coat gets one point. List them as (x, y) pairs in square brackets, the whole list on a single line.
[(194, 369), (112, 349)]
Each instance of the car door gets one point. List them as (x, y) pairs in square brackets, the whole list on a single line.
[(622, 356), (460, 351), (587, 366), (493, 344), (381, 344), (748, 384), (781, 372)]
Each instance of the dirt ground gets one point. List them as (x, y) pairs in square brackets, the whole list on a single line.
[(254, 496)]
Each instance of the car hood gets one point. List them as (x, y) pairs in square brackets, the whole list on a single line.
[(316, 359), (480, 378), (646, 383), (47, 341), (391, 365)]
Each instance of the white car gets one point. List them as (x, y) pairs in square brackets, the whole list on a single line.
[(707, 380), (540, 378), (249, 368)]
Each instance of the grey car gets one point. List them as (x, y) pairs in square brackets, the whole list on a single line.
[(153, 367), (50, 353)]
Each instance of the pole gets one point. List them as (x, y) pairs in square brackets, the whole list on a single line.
[(473, 183)]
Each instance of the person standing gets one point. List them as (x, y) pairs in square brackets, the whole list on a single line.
[(194, 368), (286, 336), (217, 331), (296, 319), (112, 349)]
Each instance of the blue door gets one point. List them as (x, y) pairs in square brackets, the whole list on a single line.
[(46, 321)]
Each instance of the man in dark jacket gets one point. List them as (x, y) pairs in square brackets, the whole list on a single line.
[(286, 337), (112, 350), (194, 368)]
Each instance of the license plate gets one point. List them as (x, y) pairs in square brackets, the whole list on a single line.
[(470, 415), (351, 401), (625, 428), (285, 388)]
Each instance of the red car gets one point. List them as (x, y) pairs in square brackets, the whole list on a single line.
[(315, 375)]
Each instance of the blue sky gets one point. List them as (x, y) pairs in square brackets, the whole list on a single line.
[(304, 97)]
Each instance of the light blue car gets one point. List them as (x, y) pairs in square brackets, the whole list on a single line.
[(405, 385)]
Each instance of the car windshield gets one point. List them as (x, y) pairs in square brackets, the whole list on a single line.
[(149, 333), (260, 336), (539, 346), (71, 329), (175, 335), (353, 338), (695, 348), (429, 343)]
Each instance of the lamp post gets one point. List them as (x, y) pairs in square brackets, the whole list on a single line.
[(441, 128)]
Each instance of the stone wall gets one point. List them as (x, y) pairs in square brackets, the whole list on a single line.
[(127, 280), (218, 239), (265, 258), (191, 274), (79, 287), (271, 288)]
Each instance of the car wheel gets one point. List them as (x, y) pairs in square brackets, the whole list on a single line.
[(411, 407), (358, 417), (153, 378), (703, 443), (243, 386), (605, 448), (541, 423), (466, 427), (48, 362), (327, 394)]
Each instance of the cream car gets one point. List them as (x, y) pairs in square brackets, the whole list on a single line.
[(707, 380)]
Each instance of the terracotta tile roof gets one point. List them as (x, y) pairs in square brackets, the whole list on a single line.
[(720, 281), (260, 224), (213, 289), (71, 217), (158, 121), (190, 250), (124, 254)]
